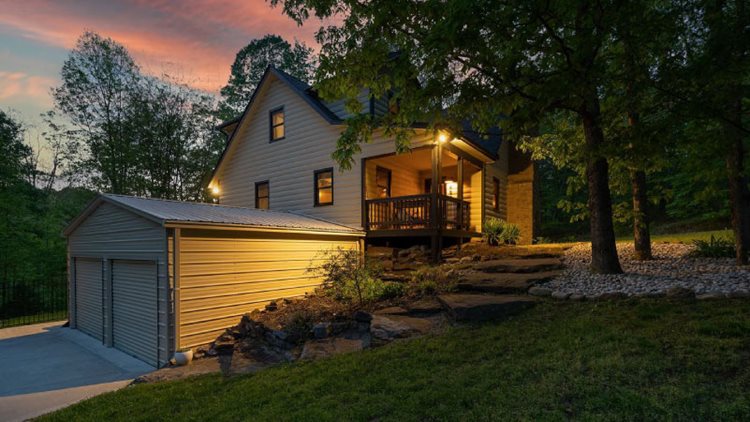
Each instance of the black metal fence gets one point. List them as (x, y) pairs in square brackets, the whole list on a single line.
[(29, 301)]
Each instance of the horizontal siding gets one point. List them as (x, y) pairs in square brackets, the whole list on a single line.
[(499, 170), (225, 275), (289, 164), (112, 231)]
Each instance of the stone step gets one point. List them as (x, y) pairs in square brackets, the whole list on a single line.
[(519, 265), (501, 283), (474, 307)]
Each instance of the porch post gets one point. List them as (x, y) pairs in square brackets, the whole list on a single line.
[(460, 211), (435, 210)]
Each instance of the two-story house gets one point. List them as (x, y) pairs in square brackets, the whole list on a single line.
[(278, 157)]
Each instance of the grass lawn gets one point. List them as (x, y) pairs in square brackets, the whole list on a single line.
[(686, 237), (629, 360)]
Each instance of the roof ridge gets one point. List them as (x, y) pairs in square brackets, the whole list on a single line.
[(185, 202)]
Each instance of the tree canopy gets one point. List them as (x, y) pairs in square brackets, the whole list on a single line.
[(250, 63)]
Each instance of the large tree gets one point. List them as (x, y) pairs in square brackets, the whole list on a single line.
[(709, 80), (250, 63), (138, 134), (479, 60)]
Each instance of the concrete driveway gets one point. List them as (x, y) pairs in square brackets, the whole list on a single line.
[(45, 367)]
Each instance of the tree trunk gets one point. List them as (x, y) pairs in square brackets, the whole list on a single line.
[(641, 234), (739, 195), (604, 258)]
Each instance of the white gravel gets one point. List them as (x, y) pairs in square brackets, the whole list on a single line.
[(672, 267)]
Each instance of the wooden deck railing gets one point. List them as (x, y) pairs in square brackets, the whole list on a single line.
[(415, 212)]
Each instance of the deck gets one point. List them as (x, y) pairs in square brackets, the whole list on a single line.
[(417, 215)]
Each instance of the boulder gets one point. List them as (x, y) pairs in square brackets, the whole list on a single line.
[(519, 265), (468, 307), (540, 291), (557, 294), (425, 306), (396, 326), (393, 310), (362, 316), (321, 330), (501, 283)]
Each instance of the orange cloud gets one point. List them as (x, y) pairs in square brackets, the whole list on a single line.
[(21, 86)]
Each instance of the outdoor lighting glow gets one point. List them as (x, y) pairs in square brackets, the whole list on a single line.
[(451, 188), (442, 137), (215, 190)]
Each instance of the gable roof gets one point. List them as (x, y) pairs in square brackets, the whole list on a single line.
[(488, 143), (163, 212)]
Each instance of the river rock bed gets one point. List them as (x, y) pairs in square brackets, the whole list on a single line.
[(674, 271)]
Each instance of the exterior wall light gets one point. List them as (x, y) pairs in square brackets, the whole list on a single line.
[(442, 138)]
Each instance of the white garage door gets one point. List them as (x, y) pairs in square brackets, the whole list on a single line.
[(88, 291), (134, 309)]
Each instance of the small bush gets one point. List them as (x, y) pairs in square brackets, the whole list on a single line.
[(392, 290), (715, 247), (497, 231), (299, 324), (349, 278), (427, 281)]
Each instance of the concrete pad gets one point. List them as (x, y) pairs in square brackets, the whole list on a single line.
[(467, 307), (46, 367)]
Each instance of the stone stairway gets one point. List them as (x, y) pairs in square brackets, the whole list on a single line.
[(497, 288)]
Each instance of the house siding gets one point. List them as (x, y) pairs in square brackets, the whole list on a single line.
[(112, 233), (225, 274), (499, 170), (289, 164)]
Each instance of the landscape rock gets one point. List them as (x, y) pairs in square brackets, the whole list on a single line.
[(321, 330), (362, 316), (678, 292), (576, 297), (540, 291), (393, 310), (470, 307), (501, 283), (396, 326), (519, 265), (425, 306), (557, 294)]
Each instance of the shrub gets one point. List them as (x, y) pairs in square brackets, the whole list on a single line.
[(349, 278), (497, 231), (429, 281), (715, 247), (392, 290)]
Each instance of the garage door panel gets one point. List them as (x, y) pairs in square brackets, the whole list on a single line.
[(134, 309), (88, 297)]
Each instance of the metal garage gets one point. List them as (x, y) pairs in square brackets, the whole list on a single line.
[(151, 276)]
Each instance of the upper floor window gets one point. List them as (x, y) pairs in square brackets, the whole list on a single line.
[(324, 187), (262, 195), (495, 194), (277, 124)]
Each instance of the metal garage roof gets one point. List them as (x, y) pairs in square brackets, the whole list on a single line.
[(170, 212)]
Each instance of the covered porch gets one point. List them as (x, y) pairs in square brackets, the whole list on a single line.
[(401, 197)]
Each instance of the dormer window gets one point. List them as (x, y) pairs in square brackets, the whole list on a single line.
[(277, 124)]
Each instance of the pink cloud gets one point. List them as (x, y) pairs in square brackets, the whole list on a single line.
[(194, 39), (21, 86)]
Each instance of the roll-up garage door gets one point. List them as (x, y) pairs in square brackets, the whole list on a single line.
[(134, 309), (88, 292)]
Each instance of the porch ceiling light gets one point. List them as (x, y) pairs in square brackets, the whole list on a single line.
[(215, 190)]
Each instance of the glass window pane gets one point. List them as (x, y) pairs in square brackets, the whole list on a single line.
[(263, 190), (263, 203), (278, 132), (325, 179), (325, 196), (278, 118)]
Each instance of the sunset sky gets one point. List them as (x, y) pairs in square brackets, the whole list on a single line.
[(194, 39)]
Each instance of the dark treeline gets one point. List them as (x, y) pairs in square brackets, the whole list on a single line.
[(116, 129)]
